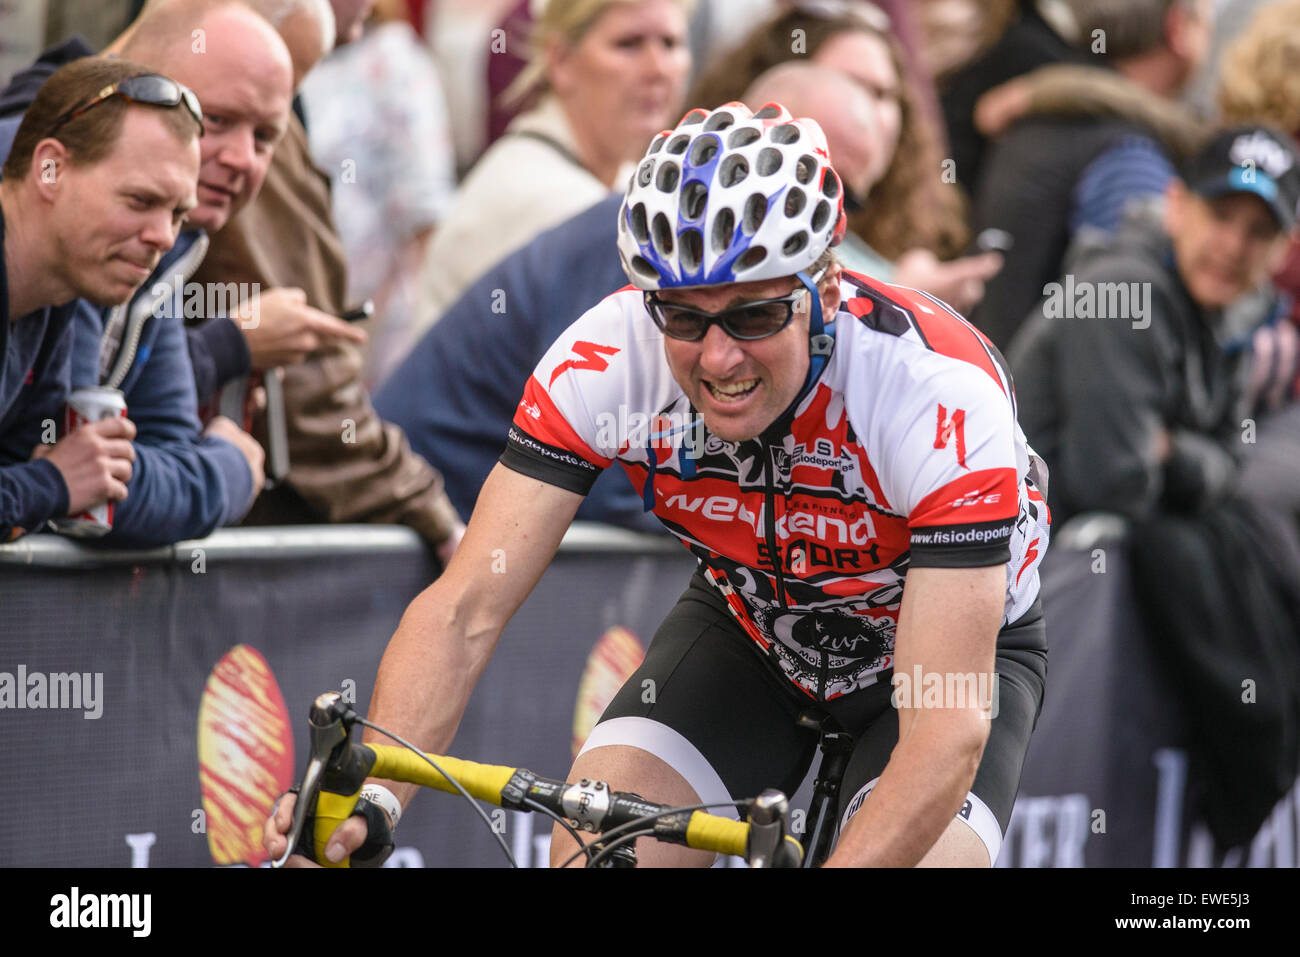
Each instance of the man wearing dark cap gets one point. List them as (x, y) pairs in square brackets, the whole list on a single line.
[(1136, 412), (1134, 407)]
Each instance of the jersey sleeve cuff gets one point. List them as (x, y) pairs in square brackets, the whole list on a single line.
[(961, 546), (546, 463)]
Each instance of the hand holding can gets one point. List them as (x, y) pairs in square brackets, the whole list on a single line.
[(95, 459)]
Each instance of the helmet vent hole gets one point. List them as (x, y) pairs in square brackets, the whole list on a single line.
[(795, 201), (657, 144), (785, 133), (769, 112), (724, 225), (637, 223), (693, 117), (678, 145), (692, 251), (743, 136), (751, 258), (642, 268), (755, 211), (645, 173), (803, 172), (668, 177), (733, 170), (831, 184), (662, 233), (821, 215), (704, 149), (720, 120), (768, 162), (795, 243), (695, 195)]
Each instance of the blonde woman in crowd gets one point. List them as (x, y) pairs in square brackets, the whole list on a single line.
[(611, 74)]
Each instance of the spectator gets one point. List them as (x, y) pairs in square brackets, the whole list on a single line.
[(346, 464), (276, 328), (1051, 176), (1134, 412), (612, 72), (1138, 415), (378, 125), (187, 483), (93, 193), (903, 215), (980, 45)]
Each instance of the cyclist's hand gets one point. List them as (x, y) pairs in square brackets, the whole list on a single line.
[(349, 836)]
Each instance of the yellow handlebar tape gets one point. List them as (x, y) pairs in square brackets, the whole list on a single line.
[(331, 811), (483, 781), (708, 832)]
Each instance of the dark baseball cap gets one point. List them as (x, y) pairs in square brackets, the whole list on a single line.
[(1250, 159)]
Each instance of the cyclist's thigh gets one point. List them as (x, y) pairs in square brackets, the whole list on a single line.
[(1021, 667), (707, 703)]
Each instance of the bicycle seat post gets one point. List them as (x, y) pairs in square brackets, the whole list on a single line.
[(836, 746)]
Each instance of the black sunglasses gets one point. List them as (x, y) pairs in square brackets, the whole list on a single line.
[(747, 321), (150, 89)]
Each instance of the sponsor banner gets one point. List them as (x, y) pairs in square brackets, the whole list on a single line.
[(151, 730)]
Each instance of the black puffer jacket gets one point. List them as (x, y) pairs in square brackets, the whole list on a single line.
[(1096, 393)]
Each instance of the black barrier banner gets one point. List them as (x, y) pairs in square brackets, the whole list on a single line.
[(103, 765), (150, 708), (1106, 780)]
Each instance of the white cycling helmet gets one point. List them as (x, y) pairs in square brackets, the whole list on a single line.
[(730, 196)]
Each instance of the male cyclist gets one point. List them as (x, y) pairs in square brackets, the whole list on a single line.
[(843, 458)]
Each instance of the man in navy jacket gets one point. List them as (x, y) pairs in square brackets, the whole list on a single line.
[(93, 194), (187, 482)]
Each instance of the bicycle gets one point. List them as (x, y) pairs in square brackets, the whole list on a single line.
[(339, 766)]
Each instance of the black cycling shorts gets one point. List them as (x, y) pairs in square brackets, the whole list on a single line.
[(722, 715)]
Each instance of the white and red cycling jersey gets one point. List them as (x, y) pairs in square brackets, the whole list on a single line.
[(905, 452)]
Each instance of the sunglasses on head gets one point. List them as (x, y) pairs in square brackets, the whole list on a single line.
[(747, 321), (150, 89)]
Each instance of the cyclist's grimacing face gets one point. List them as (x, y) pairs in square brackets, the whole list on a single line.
[(740, 387)]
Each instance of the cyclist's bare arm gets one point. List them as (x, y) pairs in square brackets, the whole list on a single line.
[(448, 633), (948, 624)]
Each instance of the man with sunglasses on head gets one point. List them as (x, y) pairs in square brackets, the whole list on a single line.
[(91, 196), (189, 480), (841, 455)]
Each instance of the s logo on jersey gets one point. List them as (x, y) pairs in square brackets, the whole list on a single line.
[(948, 427), (593, 358)]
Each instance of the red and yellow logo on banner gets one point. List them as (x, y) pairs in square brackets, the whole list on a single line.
[(245, 754), (618, 653)]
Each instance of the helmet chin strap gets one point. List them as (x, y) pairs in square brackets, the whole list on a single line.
[(820, 346)]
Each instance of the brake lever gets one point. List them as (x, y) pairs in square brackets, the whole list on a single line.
[(331, 719), (769, 841)]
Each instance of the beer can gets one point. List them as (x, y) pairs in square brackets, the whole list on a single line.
[(90, 405)]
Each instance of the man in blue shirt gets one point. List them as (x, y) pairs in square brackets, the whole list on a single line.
[(93, 194)]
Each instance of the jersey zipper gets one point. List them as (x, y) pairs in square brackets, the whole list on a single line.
[(769, 518), (769, 524)]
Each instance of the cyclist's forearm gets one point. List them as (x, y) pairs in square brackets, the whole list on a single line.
[(920, 790), (427, 674)]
